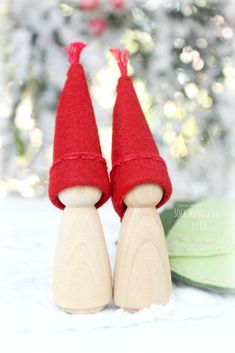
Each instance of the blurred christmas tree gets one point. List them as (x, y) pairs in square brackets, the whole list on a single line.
[(181, 58)]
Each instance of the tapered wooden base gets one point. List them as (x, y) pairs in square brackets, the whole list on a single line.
[(83, 311), (82, 276), (142, 271)]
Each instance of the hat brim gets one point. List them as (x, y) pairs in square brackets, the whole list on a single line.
[(136, 172), (80, 172)]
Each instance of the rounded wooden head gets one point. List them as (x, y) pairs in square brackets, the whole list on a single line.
[(80, 196), (144, 195)]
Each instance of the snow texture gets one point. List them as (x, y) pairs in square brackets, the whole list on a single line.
[(30, 322)]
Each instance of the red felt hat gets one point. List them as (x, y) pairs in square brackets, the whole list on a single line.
[(77, 156), (135, 156)]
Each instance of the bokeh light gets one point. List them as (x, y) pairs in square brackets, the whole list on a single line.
[(182, 65)]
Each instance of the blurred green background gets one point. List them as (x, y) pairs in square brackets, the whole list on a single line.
[(182, 64)]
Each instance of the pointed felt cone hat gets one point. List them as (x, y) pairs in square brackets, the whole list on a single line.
[(77, 156), (135, 156)]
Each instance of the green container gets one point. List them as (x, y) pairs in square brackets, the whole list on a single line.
[(201, 243)]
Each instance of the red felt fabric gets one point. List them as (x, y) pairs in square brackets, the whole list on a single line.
[(77, 156), (135, 156)]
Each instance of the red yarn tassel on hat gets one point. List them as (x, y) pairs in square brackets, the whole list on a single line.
[(121, 58), (135, 156), (74, 51), (77, 155)]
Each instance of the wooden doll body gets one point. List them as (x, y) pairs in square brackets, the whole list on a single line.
[(82, 276), (142, 271)]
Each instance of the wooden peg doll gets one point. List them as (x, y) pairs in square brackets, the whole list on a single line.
[(140, 184), (79, 184)]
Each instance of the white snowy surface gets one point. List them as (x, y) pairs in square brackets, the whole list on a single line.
[(193, 321)]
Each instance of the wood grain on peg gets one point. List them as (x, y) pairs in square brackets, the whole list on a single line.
[(82, 276), (142, 271)]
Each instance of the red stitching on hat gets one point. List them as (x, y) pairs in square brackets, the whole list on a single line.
[(83, 156), (138, 156)]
